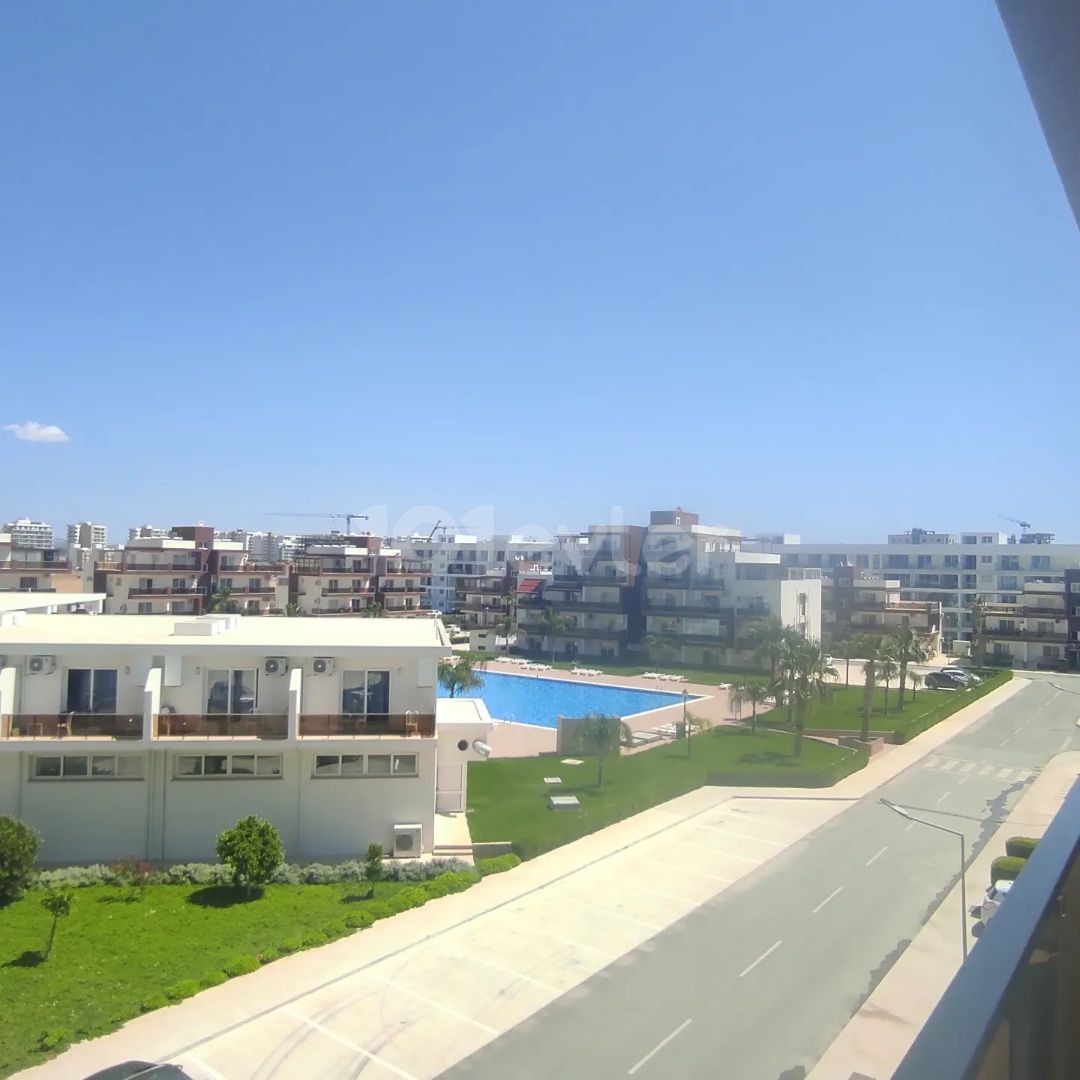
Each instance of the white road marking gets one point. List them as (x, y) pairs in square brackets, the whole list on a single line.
[(664, 895), (695, 873), (963, 780), (1004, 774), (347, 1043), (198, 1063), (949, 765), (986, 770), (611, 911), (660, 1045), (943, 798), (522, 929), (768, 952), (966, 766), (1065, 742), (874, 858), (909, 827), (512, 972), (1006, 740), (836, 892), (431, 1002)]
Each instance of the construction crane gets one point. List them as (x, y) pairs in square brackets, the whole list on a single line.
[(1025, 525), (348, 518)]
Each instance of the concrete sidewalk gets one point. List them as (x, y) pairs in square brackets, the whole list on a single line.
[(880, 1033)]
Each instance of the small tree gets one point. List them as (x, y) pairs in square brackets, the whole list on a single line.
[(135, 873), (57, 902), (223, 603), (554, 625), (252, 847), (373, 867), (887, 668), (460, 675), (736, 697), (978, 631), (602, 733), (756, 693), (910, 647), (916, 680), (18, 858)]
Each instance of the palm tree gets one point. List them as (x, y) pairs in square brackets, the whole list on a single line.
[(791, 650), (910, 648), (846, 651), (870, 650), (769, 639), (554, 624), (222, 603), (506, 626), (978, 631), (757, 693), (460, 675), (811, 672), (736, 697), (888, 667), (662, 648), (293, 610), (915, 679), (602, 733)]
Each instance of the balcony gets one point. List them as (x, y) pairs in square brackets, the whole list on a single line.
[(337, 725), (254, 568), (659, 607), (494, 588), (77, 726), (317, 568), (359, 590), (223, 726), (586, 605), (168, 591), (20, 567), (1020, 634), (400, 590), (152, 568), (479, 606)]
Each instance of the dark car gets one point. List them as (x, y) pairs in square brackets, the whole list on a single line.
[(138, 1070), (946, 680)]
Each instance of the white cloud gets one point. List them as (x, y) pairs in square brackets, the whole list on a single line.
[(32, 431)]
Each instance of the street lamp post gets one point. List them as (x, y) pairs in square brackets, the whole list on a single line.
[(963, 859)]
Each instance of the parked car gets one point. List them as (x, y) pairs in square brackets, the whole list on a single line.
[(140, 1070), (963, 673), (946, 680), (995, 896)]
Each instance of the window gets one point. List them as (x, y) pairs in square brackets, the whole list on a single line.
[(28, 583), (986, 558), (952, 561), (146, 607), (86, 767), (365, 692), (243, 766), (967, 538), (1040, 562), (378, 765), (1051, 652), (862, 561), (231, 691), (91, 690), (346, 765)]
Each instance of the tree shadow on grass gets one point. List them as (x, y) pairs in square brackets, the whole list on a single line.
[(765, 757), (356, 898), (223, 896), (30, 958)]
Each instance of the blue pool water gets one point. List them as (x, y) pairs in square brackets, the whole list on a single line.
[(531, 700)]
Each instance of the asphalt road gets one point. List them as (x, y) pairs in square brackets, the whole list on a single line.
[(758, 982)]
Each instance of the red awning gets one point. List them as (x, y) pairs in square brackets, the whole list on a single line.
[(529, 586)]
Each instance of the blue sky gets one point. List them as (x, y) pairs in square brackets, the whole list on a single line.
[(795, 266)]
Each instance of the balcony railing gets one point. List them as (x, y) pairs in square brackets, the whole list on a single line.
[(17, 566), (360, 590), (655, 607), (168, 591), (77, 726), (223, 725), (330, 725), (253, 568), (152, 568)]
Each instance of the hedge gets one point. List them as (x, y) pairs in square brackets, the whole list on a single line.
[(498, 864), (1020, 847), (957, 701), (1006, 868)]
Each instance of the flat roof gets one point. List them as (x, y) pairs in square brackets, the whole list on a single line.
[(37, 601), (274, 634)]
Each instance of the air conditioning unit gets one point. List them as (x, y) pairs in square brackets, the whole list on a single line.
[(40, 665), (276, 665), (322, 665), (407, 841)]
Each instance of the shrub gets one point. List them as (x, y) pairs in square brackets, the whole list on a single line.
[(320, 874), (1006, 868), (78, 877), (185, 988), (497, 865), (133, 872), (253, 849), (1020, 847), (288, 874), (373, 865), (215, 978), (380, 909), (18, 858), (196, 874), (53, 1038), (290, 945), (268, 956), (154, 1001), (436, 888), (360, 920), (315, 937), (240, 965), (412, 897), (460, 880)]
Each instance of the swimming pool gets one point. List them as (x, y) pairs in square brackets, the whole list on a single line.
[(531, 700)]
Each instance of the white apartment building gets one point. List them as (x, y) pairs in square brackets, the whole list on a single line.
[(35, 569), (26, 533), (459, 557), (87, 534), (148, 532), (271, 547), (149, 736), (948, 568)]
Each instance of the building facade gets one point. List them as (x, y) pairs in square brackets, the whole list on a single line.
[(35, 569), (856, 602), (87, 534), (27, 533), (949, 569), (149, 736)]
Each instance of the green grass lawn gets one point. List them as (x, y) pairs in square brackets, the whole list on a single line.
[(508, 797), (844, 711), (113, 955)]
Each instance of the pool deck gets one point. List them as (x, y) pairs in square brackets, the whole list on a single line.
[(528, 740)]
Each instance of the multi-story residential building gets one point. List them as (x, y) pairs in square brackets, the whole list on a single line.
[(149, 736), (35, 569), (677, 587), (950, 569), (26, 533), (402, 583), (855, 602), (271, 547), (148, 532), (87, 534), (458, 557), (483, 605), (1033, 631), (179, 575)]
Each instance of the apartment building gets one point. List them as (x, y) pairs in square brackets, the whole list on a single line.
[(87, 534), (148, 532), (947, 568), (359, 576), (179, 575), (149, 736), (460, 557), (271, 547), (483, 605), (35, 569), (1035, 632), (676, 587), (26, 533), (855, 602)]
